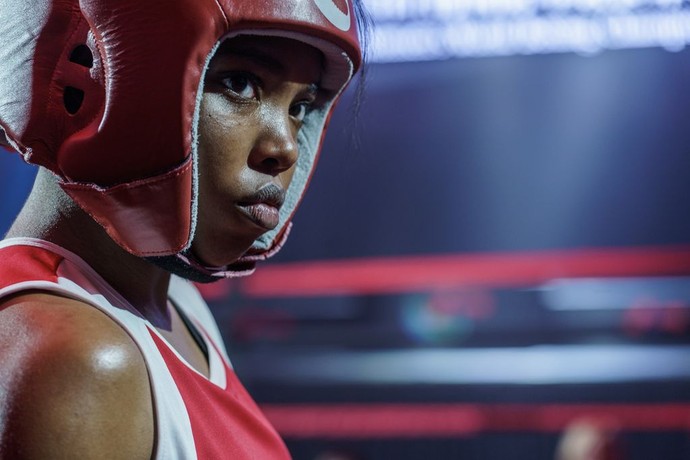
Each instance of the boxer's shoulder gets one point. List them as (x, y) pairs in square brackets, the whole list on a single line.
[(74, 384)]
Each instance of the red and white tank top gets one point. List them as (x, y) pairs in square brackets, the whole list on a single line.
[(196, 417)]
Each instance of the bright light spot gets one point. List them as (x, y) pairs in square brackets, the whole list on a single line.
[(420, 30)]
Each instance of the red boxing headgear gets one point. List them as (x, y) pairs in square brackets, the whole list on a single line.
[(105, 94)]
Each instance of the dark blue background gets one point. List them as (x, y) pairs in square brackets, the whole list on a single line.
[(551, 151), (16, 178)]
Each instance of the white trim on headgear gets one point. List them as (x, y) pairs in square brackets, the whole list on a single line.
[(337, 73)]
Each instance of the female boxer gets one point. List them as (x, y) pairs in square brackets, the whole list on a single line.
[(175, 140)]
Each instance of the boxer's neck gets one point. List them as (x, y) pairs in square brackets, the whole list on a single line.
[(49, 214)]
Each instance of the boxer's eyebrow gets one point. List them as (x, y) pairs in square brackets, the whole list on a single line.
[(258, 57)]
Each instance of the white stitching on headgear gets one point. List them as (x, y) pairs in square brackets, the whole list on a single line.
[(195, 146)]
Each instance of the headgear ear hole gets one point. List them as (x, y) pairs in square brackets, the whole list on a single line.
[(82, 55), (72, 98)]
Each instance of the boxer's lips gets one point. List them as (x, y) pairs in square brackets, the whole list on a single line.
[(263, 207), (262, 214)]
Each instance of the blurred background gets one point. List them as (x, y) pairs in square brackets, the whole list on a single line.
[(493, 260)]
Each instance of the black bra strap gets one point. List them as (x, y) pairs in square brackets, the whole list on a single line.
[(196, 335)]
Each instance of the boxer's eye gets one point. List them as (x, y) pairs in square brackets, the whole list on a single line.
[(304, 105), (242, 85), (300, 110)]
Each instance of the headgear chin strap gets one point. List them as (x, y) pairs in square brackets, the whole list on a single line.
[(83, 93), (188, 266)]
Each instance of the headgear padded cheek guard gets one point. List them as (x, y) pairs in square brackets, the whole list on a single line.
[(106, 94)]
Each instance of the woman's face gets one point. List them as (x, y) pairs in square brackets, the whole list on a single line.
[(256, 93)]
